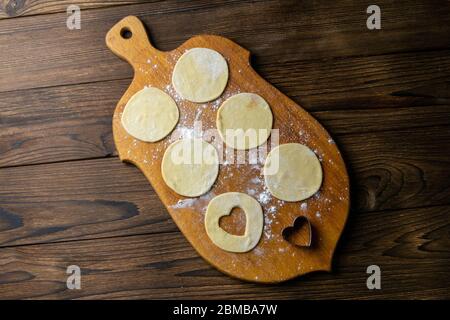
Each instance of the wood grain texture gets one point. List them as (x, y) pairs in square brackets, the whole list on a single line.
[(410, 246), (383, 94), (275, 31), (101, 198), (65, 201), (16, 8), (371, 93)]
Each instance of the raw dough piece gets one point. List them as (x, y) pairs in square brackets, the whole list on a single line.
[(292, 172), (244, 121), (222, 206), (150, 115), (200, 75), (190, 167)]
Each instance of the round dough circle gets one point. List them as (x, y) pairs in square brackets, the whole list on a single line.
[(292, 172), (190, 167), (221, 206), (200, 75), (240, 113), (150, 115)]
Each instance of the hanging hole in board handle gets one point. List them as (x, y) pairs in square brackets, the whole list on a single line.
[(126, 33)]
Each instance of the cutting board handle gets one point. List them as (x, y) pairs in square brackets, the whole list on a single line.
[(128, 39)]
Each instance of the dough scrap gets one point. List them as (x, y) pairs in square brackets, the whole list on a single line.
[(292, 172), (221, 206), (244, 121), (150, 115), (190, 167), (200, 75)]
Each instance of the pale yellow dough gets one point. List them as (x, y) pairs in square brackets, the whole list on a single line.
[(190, 167), (244, 121), (200, 75), (150, 115), (292, 172), (221, 206)]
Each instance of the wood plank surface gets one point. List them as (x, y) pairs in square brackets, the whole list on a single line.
[(410, 246), (103, 197), (271, 30), (74, 121), (65, 198), (16, 8)]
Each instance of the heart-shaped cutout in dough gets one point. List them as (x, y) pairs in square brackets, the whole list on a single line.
[(222, 205), (234, 223), (300, 234)]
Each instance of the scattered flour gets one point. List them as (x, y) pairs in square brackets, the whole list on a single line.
[(199, 203), (185, 203), (258, 251), (255, 180), (272, 210), (264, 197), (216, 104)]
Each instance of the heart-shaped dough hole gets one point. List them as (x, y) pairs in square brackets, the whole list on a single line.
[(234, 223), (300, 234), (222, 205)]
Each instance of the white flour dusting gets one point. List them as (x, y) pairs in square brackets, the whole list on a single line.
[(264, 197), (216, 104), (185, 203), (272, 210), (255, 180), (199, 204), (258, 251)]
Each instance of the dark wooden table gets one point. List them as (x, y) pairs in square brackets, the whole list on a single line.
[(66, 199)]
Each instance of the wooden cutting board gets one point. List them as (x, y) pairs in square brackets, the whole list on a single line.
[(298, 237)]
